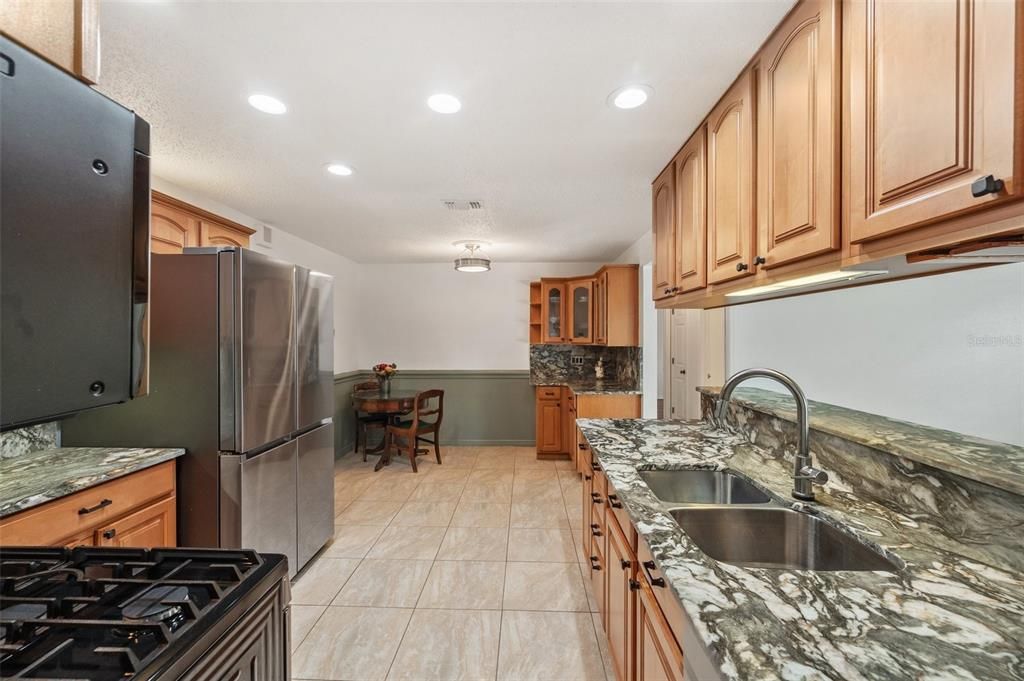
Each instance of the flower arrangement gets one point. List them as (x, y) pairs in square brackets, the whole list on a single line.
[(384, 370)]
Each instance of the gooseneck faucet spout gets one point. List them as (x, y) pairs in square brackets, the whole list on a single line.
[(804, 473)]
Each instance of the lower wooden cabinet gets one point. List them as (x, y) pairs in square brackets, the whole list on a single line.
[(640, 618), (558, 407), (138, 510)]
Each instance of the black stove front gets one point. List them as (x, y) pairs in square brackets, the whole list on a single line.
[(99, 613)]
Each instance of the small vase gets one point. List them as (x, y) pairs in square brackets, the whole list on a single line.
[(385, 386)]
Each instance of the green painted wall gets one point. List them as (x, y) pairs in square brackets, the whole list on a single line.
[(480, 407)]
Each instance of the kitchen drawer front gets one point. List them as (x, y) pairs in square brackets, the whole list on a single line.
[(598, 498), (549, 392), (64, 519), (670, 607)]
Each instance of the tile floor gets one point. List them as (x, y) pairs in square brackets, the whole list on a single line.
[(467, 570)]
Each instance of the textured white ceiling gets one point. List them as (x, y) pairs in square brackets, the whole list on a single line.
[(563, 176)]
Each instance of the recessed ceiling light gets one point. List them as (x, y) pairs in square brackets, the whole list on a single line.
[(267, 104), (444, 103), (630, 96), (339, 169)]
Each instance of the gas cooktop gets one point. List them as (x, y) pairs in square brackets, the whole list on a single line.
[(104, 613)]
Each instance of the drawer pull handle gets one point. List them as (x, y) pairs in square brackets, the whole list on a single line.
[(634, 585), (586, 477), (102, 504), (596, 532), (594, 564), (613, 501), (595, 467), (655, 581), (581, 446), (109, 534), (626, 564)]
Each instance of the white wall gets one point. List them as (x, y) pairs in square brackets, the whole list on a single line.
[(293, 249), (428, 316), (945, 351)]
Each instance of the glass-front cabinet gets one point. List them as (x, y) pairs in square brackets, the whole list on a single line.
[(581, 310), (553, 313)]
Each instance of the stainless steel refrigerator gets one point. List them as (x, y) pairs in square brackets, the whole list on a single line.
[(242, 376)]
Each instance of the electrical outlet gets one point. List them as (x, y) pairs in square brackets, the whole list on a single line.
[(577, 359)]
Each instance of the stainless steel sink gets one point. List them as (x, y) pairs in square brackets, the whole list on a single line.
[(702, 487), (776, 537)]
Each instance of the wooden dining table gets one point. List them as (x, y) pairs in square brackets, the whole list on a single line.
[(394, 404)]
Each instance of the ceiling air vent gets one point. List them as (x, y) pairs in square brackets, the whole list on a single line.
[(452, 204)]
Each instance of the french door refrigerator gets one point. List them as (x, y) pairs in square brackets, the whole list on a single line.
[(242, 377)]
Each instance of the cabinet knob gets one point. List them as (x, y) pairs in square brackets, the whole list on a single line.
[(634, 585), (741, 266), (109, 534), (986, 185), (759, 260), (668, 291)]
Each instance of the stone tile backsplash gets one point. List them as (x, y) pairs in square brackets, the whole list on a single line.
[(553, 363)]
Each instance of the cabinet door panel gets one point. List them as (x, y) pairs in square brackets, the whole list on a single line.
[(580, 307), (553, 307), (213, 234), (149, 527), (549, 426), (171, 229), (931, 109), (658, 656), (620, 598), (798, 128), (730, 184), (691, 222), (662, 213)]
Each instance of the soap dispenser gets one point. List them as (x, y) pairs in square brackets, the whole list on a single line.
[(599, 369)]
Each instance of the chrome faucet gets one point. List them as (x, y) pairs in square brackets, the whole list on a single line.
[(805, 475)]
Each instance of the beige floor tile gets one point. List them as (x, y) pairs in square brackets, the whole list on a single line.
[(368, 513), (322, 580), (458, 459), (303, 619), (449, 645), (480, 514), (537, 474), (548, 646), (425, 514), (439, 491), (389, 489), (464, 584), (524, 462), (352, 541), (486, 475), (553, 546), (385, 584), (443, 473), (341, 504), (487, 491), (408, 543), (602, 645), (351, 643), (496, 459), (474, 543), (577, 539), (544, 586), (534, 491), (539, 514)]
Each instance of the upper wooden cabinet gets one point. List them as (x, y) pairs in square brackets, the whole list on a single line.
[(662, 211), (731, 183), (690, 214), (931, 109), (580, 296), (798, 136), (175, 225), (553, 310), (67, 32), (603, 309)]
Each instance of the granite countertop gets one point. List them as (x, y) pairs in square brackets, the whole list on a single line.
[(32, 479), (954, 611), (595, 387), (998, 464)]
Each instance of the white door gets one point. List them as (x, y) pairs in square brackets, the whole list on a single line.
[(679, 361)]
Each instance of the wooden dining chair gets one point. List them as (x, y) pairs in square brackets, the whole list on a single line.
[(366, 422), (406, 435)]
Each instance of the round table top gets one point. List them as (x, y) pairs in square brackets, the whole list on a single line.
[(395, 400)]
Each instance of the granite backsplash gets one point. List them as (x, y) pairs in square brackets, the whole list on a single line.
[(29, 439), (552, 364)]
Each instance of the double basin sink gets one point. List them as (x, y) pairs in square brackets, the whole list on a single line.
[(732, 521)]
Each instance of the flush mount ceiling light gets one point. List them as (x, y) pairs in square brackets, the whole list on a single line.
[(471, 260), (267, 104), (339, 169), (630, 96), (444, 103)]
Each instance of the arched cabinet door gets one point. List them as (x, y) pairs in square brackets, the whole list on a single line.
[(171, 229), (553, 307), (213, 234), (798, 136), (663, 217), (730, 178), (691, 253)]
